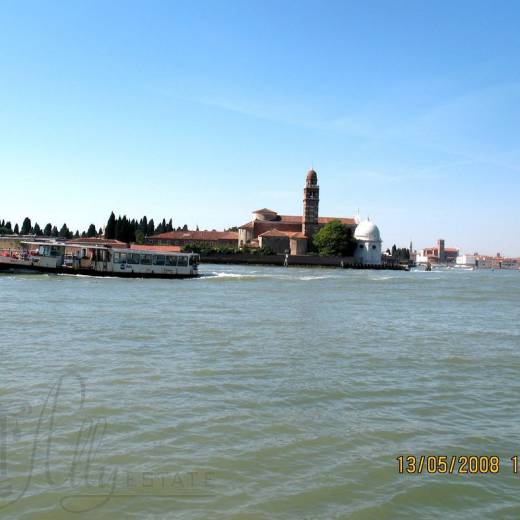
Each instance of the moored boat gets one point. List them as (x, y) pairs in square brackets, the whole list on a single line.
[(96, 260)]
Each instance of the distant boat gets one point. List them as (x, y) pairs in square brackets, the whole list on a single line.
[(97, 260)]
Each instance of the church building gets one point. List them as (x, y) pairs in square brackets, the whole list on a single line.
[(291, 233)]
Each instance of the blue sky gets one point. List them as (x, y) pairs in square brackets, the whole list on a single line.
[(205, 111)]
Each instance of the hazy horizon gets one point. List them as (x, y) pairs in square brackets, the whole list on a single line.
[(204, 112)]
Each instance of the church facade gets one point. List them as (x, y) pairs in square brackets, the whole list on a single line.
[(291, 233)]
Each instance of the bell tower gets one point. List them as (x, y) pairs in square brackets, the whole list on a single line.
[(311, 200)]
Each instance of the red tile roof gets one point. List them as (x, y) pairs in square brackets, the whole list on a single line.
[(349, 221), (278, 233), (274, 233), (261, 226), (196, 235), (146, 247), (247, 225)]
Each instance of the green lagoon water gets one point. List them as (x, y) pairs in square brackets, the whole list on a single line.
[(257, 393)]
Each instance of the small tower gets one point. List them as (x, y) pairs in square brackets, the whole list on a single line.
[(441, 251), (311, 200)]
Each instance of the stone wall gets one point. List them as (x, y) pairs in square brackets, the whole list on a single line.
[(296, 260)]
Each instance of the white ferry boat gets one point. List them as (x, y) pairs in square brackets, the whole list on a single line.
[(95, 260)]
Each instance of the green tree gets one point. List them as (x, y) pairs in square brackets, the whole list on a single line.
[(65, 232), (91, 232), (16, 229), (139, 236), (161, 228), (151, 227), (38, 230), (47, 230), (335, 239), (110, 229), (5, 228), (26, 226)]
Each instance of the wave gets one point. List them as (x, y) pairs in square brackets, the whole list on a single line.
[(267, 276)]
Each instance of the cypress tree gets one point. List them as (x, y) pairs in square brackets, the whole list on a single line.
[(47, 230), (16, 229), (37, 230), (110, 229), (91, 231), (64, 232), (26, 226), (143, 225)]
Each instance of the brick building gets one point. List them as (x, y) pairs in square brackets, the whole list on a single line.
[(289, 232)]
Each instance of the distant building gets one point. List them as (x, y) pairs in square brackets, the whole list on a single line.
[(467, 260), (368, 250), (293, 242), (291, 233), (439, 254), (496, 262), (201, 238), (311, 202), (308, 224)]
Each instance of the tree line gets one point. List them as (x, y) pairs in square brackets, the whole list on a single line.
[(120, 228), (399, 253)]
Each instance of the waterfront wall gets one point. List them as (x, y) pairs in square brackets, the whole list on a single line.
[(294, 260)]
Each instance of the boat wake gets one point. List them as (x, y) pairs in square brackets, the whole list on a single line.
[(258, 276)]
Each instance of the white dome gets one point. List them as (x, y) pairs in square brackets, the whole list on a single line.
[(367, 231)]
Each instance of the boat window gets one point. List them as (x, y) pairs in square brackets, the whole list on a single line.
[(146, 259), (133, 258), (158, 260), (194, 260), (182, 261), (119, 258), (171, 260)]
